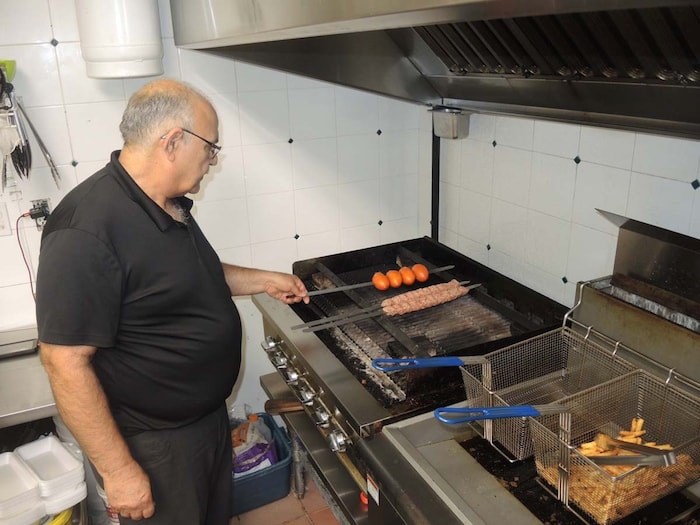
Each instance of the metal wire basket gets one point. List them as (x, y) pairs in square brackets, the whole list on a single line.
[(671, 416), (537, 371)]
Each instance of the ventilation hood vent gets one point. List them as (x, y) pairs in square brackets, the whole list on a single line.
[(627, 64)]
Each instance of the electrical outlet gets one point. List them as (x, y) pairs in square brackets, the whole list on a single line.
[(5, 224), (41, 209)]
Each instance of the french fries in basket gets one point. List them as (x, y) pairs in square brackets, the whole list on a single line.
[(601, 447)]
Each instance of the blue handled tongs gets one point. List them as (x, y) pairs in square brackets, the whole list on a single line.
[(457, 415), (390, 364)]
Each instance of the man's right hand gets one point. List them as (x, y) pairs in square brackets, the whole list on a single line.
[(128, 492), (82, 403)]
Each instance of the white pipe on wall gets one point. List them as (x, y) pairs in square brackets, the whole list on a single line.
[(120, 38)]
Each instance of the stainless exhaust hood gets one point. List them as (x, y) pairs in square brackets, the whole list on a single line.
[(617, 63)]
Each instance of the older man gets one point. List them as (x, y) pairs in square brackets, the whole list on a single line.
[(139, 336)]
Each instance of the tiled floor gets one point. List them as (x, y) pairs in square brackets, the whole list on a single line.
[(312, 509)]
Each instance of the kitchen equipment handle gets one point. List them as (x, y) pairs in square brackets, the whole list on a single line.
[(480, 413), (388, 364), (664, 460)]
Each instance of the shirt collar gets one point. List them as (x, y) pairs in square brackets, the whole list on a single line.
[(157, 214)]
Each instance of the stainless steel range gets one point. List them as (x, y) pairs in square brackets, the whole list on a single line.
[(370, 433)]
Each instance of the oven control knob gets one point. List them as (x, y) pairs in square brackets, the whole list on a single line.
[(321, 417), (305, 395), (279, 360), (337, 441), (270, 344), (290, 375)]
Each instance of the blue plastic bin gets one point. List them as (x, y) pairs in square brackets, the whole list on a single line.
[(261, 487)]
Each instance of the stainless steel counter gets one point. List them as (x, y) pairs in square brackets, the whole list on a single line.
[(25, 394), (473, 495), (421, 469)]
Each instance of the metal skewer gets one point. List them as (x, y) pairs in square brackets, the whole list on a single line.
[(352, 317), (344, 315), (359, 316), (363, 285)]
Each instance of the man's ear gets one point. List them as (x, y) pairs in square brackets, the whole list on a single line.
[(171, 142)]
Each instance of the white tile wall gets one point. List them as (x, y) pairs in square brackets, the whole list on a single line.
[(315, 163), (552, 185), (358, 158), (357, 112), (36, 26), (515, 132), (317, 210), (477, 166), (331, 185), (555, 138), (512, 171), (312, 113), (527, 209), (268, 168)]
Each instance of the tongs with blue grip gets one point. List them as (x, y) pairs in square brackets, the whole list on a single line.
[(644, 455), (458, 415), (391, 364)]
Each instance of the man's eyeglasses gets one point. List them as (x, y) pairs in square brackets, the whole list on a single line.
[(214, 149)]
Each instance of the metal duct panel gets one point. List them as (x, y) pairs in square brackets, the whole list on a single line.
[(628, 64), (635, 45)]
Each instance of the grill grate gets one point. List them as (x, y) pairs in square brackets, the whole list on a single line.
[(635, 45), (459, 326)]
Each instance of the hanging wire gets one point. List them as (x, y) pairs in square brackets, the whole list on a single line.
[(24, 257)]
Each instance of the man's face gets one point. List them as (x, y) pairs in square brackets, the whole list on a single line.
[(201, 153)]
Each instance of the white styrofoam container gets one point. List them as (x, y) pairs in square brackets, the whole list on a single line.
[(66, 499), (28, 517), (56, 468), (19, 487)]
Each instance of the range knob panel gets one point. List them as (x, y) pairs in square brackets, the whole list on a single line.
[(321, 417), (290, 375), (337, 441), (270, 343), (305, 394), (279, 360)]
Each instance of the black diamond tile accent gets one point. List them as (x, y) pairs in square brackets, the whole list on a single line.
[(494, 143), (380, 222), (488, 246), (564, 280), (577, 159), (296, 235), (290, 140), (695, 184), (74, 163), (54, 42), (379, 132)]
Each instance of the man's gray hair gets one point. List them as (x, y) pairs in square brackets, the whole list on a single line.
[(156, 107)]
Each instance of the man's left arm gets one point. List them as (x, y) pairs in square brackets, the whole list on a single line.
[(286, 287)]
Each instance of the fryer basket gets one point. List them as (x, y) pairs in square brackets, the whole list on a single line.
[(537, 371), (671, 416)]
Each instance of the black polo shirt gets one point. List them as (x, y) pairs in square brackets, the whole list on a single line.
[(118, 273)]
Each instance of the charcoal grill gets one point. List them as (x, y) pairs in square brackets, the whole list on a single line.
[(346, 400), (372, 433)]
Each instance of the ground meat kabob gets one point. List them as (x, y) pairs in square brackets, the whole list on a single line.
[(423, 298)]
